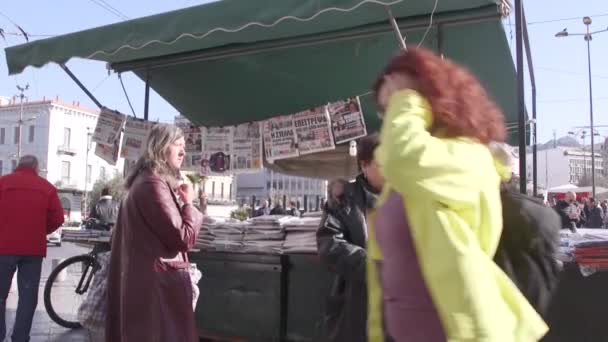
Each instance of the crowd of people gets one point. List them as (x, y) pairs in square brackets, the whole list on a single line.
[(584, 213)]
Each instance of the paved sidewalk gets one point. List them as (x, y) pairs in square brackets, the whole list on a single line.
[(44, 329)]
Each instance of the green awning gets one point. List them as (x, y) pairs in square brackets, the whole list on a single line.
[(236, 61)]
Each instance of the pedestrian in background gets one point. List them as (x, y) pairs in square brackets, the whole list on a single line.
[(149, 286), (29, 210)]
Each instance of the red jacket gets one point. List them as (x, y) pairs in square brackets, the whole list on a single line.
[(29, 210)]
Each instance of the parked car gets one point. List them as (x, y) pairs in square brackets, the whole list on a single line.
[(54, 238)]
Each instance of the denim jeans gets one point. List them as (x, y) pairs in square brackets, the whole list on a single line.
[(28, 280)]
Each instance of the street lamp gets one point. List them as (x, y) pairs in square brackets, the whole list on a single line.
[(588, 35)]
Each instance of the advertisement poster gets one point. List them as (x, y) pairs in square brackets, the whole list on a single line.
[(313, 131), (135, 137), (194, 143), (247, 148), (109, 125), (217, 147), (347, 122), (280, 141)]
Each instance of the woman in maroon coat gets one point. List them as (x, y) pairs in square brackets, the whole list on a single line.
[(149, 288)]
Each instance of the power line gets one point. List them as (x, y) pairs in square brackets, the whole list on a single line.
[(114, 9), (565, 19), (569, 72), (572, 100), (109, 9)]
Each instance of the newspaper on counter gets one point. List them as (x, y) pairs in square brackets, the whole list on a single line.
[(280, 141), (135, 137), (109, 126), (347, 121), (217, 147), (194, 143), (247, 148), (313, 131)]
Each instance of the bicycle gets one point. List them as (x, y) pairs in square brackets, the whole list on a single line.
[(79, 271)]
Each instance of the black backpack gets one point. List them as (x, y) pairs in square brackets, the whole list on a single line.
[(528, 247)]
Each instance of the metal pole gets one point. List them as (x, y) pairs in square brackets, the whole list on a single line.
[(86, 175), (533, 88), (20, 128), (396, 28), (147, 96), (80, 85), (588, 39), (521, 105)]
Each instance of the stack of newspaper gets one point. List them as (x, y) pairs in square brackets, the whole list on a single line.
[(301, 235)]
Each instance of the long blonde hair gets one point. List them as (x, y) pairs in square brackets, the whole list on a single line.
[(154, 158)]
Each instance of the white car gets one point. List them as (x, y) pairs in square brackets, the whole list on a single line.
[(54, 237)]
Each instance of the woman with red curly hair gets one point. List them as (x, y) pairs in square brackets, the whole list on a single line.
[(431, 272)]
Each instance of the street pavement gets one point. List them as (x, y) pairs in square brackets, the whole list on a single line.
[(44, 329)]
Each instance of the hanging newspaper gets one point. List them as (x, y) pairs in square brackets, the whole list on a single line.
[(135, 137), (194, 143), (280, 140), (217, 147), (313, 130), (109, 125), (247, 148), (347, 120), (109, 153)]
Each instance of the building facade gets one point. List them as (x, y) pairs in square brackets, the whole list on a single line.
[(278, 188), (59, 135), (562, 165)]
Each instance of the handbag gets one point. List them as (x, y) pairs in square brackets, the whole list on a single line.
[(92, 312)]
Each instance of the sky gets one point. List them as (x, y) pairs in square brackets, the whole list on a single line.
[(560, 63)]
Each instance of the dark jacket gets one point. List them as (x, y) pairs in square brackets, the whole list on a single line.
[(528, 247), (29, 210), (595, 218), (106, 210), (562, 209), (341, 241), (150, 297)]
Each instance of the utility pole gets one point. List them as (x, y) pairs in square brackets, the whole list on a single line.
[(87, 175), (22, 90)]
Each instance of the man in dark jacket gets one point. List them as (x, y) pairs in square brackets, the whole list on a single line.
[(29, 210), (567, 211), (341, 241), (105, 211), (595, 215)]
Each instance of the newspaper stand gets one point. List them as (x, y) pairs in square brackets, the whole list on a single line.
[(232, 62)]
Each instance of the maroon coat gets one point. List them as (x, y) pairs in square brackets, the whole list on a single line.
[(150, 299)]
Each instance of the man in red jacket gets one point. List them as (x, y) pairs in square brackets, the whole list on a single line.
[(29, 210)]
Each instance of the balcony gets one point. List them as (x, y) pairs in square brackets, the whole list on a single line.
[(66, 150), (67, 184)]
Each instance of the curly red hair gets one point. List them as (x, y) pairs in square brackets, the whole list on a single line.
[(461, 106)]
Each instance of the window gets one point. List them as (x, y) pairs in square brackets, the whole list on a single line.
[(65, 171), (16, 135), (67, 137), (88, 175), (31, 134), (230, 190), (13, 165), (102, 172), (2, 135), (222, 190)]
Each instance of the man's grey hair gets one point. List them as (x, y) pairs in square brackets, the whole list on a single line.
[(28, 161)]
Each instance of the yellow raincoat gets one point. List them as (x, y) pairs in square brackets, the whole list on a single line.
[(452, 197)]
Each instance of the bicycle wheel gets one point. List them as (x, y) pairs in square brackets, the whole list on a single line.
[(71, 277)]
